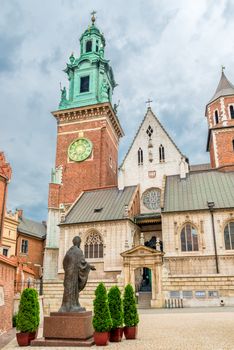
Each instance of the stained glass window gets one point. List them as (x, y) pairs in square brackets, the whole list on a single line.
[(189, 238)]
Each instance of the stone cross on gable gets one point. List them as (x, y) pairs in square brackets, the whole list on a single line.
[(148, 102)]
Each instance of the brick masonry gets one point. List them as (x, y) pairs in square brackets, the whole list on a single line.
[(222, 133), (7, 276)]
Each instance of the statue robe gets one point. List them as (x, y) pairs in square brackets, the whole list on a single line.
[(76, 271)]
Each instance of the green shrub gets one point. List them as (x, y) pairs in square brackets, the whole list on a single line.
[(115, 306), (28, 317), (102, 319), (131, 317)]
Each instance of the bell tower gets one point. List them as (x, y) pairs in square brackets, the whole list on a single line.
[(220, 118), (88, 133)]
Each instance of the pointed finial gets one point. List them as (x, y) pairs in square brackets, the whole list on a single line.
[(148, 102), (93, 18), (222, 67)]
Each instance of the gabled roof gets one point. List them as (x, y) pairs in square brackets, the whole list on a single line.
[(225, 88), (32, 228), (149, 110), (101, 205), (197, 189)]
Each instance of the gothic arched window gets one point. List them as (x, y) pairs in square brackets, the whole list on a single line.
[(140, 156), (189, 238), (231, 108), (94, 246), (216, 117), (229, 235), (233, 144), (161, 154), (88, 46)]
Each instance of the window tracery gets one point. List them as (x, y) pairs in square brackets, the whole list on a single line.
[(93, 246)]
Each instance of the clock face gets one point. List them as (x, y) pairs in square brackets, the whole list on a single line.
[(80, 149), (151, 198)]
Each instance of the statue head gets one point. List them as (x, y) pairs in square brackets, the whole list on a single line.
[(76, 241)]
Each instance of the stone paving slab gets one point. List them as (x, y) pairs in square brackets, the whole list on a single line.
[(185, 329)]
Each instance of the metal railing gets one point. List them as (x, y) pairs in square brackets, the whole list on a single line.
[(173, 303)]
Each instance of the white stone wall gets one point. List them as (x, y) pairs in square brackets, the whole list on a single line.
[(117, 237), (188, 262), (132, 174), (50, 265)]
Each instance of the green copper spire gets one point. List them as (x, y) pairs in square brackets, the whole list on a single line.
[(90, 76)]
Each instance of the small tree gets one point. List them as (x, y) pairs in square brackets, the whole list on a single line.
[(102, 319), (28, 316), (131, 317), (115, 306)]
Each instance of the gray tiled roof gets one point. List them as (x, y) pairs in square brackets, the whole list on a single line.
[(193, 192), (32, 228), (110, 202), (200, 167), (225, 88)]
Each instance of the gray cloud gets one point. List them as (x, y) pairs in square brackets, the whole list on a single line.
[(170, 51)]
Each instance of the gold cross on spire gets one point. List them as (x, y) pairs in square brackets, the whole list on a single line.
[(93, 18), (148, 102)]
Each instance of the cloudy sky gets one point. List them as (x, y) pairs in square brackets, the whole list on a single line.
[(170, 51)]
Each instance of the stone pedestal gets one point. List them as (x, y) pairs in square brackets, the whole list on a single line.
[(66, 329)]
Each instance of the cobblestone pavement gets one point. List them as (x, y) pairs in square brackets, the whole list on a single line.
[(190, 329)]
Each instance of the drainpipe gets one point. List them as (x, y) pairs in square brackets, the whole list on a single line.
[(211, 208)]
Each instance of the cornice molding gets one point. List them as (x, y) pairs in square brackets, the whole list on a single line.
[(88, 113)]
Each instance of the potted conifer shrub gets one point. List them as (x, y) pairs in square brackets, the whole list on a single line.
[(131, 318), (116, 312), (28, 317), (102, 322)]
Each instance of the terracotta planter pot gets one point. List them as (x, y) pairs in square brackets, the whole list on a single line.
[(116, 335), (23, 338), (101, 338), (130, 332), (121, 332), (32, 335)]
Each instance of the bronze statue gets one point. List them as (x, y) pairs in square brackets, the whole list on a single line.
[(76, 275)]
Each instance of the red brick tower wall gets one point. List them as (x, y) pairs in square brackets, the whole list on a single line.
[(98, 170), (221, 133)]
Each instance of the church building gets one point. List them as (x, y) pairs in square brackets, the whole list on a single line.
[(153, 221)]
